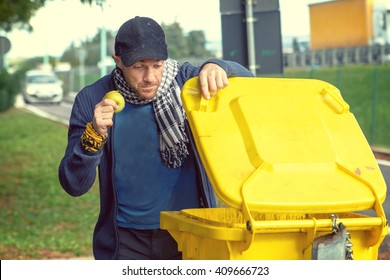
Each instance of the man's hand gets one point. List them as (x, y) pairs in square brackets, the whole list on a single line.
[(211, 79), (103, 114)]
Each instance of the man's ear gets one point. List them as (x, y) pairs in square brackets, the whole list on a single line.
[(117, 60)]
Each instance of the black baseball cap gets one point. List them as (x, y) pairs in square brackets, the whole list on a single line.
[(140, 38)]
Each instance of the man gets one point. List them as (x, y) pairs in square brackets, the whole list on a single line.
[(146, 159)]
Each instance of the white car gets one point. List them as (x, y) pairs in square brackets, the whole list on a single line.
[(42, 86)]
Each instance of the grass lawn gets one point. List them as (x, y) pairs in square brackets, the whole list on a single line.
[(367, 90), (38, 219)]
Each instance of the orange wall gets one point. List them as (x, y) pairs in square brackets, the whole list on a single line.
[(341, 23)]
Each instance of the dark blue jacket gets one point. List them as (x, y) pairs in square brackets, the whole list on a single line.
[(77, 170)]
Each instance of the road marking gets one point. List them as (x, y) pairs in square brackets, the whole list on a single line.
[(44, 114), (383, 162)]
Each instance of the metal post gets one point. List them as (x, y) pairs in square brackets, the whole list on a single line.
[(82, 55), (103, 46), (250, 36), (373, 111), (5, 46), (45, 59)]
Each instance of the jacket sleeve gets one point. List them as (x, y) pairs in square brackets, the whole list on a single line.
[(232, 69), (77, 169)]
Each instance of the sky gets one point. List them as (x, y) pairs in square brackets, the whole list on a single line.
[(61, 22)]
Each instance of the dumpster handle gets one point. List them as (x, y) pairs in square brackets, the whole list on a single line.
[(376, 237), (203, 104), (332, 93), (311, 234), (252, 225), (250, 222)]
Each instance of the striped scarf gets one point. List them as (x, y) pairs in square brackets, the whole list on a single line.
[(168, 110)]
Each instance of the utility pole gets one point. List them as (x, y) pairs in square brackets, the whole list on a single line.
[(82, 56), (103, 46), (250, 33), (5, 46)]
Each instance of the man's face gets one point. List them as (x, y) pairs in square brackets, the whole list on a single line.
[(144, 76)]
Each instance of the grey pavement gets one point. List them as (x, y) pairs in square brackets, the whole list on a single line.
[(385, 168)]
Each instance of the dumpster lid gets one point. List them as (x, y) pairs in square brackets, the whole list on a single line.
[(283, 145)]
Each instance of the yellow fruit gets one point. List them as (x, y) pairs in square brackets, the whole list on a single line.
[(117, 98)]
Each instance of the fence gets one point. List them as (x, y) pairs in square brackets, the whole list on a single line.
[(366, 88), (377, 54)]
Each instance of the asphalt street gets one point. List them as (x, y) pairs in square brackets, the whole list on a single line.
[(385, 168)]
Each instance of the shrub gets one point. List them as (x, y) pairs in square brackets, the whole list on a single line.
[(10, 86)]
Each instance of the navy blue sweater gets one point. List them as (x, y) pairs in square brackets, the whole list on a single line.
[(77, 170)]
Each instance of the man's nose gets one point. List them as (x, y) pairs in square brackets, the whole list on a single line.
[(149, 75)]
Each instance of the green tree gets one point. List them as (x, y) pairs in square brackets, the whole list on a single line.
[(177, 42), (17, 13), (197, 44), (179, 46), (184, 46), (9, 87), (92, 48), (70, 55)]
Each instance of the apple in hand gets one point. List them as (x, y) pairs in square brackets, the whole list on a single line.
[(117, 98)]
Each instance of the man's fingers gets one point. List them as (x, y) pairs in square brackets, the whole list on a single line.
[(106, 102), (103, 116), (225, 80), (211, 79), (204, 86), (212, 84)]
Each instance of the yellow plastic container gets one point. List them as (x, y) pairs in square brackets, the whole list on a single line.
[(285, 154)]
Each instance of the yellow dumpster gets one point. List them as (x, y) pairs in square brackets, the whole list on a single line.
[(291, 163)]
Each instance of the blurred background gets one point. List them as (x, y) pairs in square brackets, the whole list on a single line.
[(75, 37)]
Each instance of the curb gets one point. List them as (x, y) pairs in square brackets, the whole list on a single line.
[(380, 150)]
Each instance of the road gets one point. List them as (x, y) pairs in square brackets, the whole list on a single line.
[(60, 113), (385, 168)]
